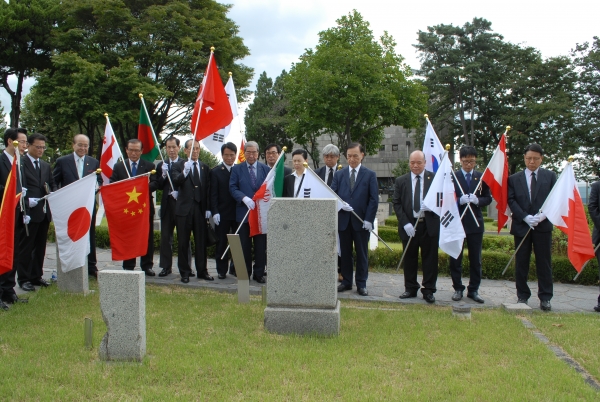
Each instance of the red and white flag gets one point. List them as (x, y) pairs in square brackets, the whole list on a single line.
[(496, 177), (271, 187), (8, 206), (212, 110), (564, 208), (72, 207), (110, 155)]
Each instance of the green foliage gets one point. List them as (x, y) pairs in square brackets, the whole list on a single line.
[(2, 121), (401, 168)]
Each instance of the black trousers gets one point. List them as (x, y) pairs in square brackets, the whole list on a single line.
[(193, 223), (541, 243), (32, 250), (474, 241), (92, 261), (7, 280), (429, 258), (147, 260), (260, 250), (360, 240), (168, 222), (224, 228)]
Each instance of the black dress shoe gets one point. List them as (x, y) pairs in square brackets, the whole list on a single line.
[(597, 308), (343, 288), (362, 291), (545, 305), (41, 282), (407, 295), (149, 272), (475, 296), (206, 277), (3, 306), (259, 279), (13, 298), (428, 297), (185, 279), (522, 301), (27, 286), (457, 295), (164, 272), (222, 276)]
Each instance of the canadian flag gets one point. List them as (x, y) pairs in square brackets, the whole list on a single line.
[(564, 208), (72, 208), (496, 177), (110, 155)]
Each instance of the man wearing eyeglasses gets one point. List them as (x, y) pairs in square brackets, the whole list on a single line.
[(32, 249), (527, 191), (72, 167), (272, 152), (470, 190)]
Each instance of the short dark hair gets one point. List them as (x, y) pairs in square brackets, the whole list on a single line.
[(269, 146), (534, 148), (354, 145), (300, 152), (11, 134), (22, 130), (230, 146), (467, 150), (135, 141), (173, 139), (36, 136)]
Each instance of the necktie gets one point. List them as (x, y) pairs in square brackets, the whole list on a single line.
[(196, 174), (417, 195), (352, 179), (134, 168), (330, 177), (37, 169), (533, 184), (468, 177), (252, 176), (80, 167)]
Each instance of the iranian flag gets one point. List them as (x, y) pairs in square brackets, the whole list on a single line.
[(10, 200), (271, 187), (564, 208), (146, 135), (72, 207), (496, 177)]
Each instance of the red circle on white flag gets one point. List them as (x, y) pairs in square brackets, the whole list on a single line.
[(79, 223)]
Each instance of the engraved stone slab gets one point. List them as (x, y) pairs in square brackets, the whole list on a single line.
[(74, 281), (303, 321)]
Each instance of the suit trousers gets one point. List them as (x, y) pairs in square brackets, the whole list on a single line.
[(360, 239), (194, 223), (260, 250), (92, 261), (147, 260), (168, 222), (32, 250), (429, 258), (224, 228), (541, 242), (474, 241), (7, 280)]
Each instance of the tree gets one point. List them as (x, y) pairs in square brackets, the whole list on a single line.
[(2, 121), (351, 87)]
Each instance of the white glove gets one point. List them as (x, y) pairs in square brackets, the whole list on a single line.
[(474, 199), (217, 219), (174, 194), (208, 214), (26, 219), (425, 208), (409, 229), (347, 207), (464, 199), (187, 167), (368, 226), (531, 220), (33, 202), (540, 217), (249, 203), (23, 192), (165, 169)]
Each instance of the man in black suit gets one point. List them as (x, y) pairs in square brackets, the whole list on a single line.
[(130, 167), (357, 187), (272, 152), (7, 280), (192, 209), (469, 180), (168, 219), (32, 249), (222, 205), (416, 221), (527, 191), (594, 210), (72, 167)]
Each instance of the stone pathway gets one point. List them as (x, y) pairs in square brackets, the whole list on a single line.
[(381, 286)]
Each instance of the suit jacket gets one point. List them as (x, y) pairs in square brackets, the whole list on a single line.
[(594, 209), (288, 186), (221, 201), (403, 204), (483, 194), (188, 188), (36, 187), (321, 172), (5, 168), (164, 185), (364, 197), (240, 185), (65, 170), (120, 173), (521, 205)]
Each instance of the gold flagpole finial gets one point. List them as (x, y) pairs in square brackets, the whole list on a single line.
[(426, 115), (98, 171), (105, 114), (284, 149), (305, 165), (15, 143), (153, 171), (141, 95), (230, 73), (447, 147), (508, 128), (212, 49), (339, 167), (571, 158)]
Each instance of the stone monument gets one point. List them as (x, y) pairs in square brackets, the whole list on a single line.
[(302, 255), (123, 305), (73, 281)]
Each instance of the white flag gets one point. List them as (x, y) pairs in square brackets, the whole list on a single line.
[(433, 149), (109, 157), (214, 141), (313, 187), (72, 207)]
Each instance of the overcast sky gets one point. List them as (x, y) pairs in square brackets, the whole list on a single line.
[(278, 31)]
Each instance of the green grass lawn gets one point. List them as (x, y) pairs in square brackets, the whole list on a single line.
[(203, 345)]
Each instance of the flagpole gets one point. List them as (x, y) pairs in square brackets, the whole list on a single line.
[(21, 199), (212, 51), (515, 253), (408, 244), (236, 232), (586, 263)]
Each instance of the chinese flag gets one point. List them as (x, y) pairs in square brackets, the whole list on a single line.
[(212, 110), (127, 206), (10, 200)]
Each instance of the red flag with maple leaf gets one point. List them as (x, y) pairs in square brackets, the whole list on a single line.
[(127, 205), (8, 208)]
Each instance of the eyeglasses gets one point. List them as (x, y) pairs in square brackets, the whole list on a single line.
[(468, 161), (134, 151), (22, 142), (40, 147), (271, 153)]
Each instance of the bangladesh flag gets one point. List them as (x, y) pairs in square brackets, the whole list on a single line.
[(149, 145)]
